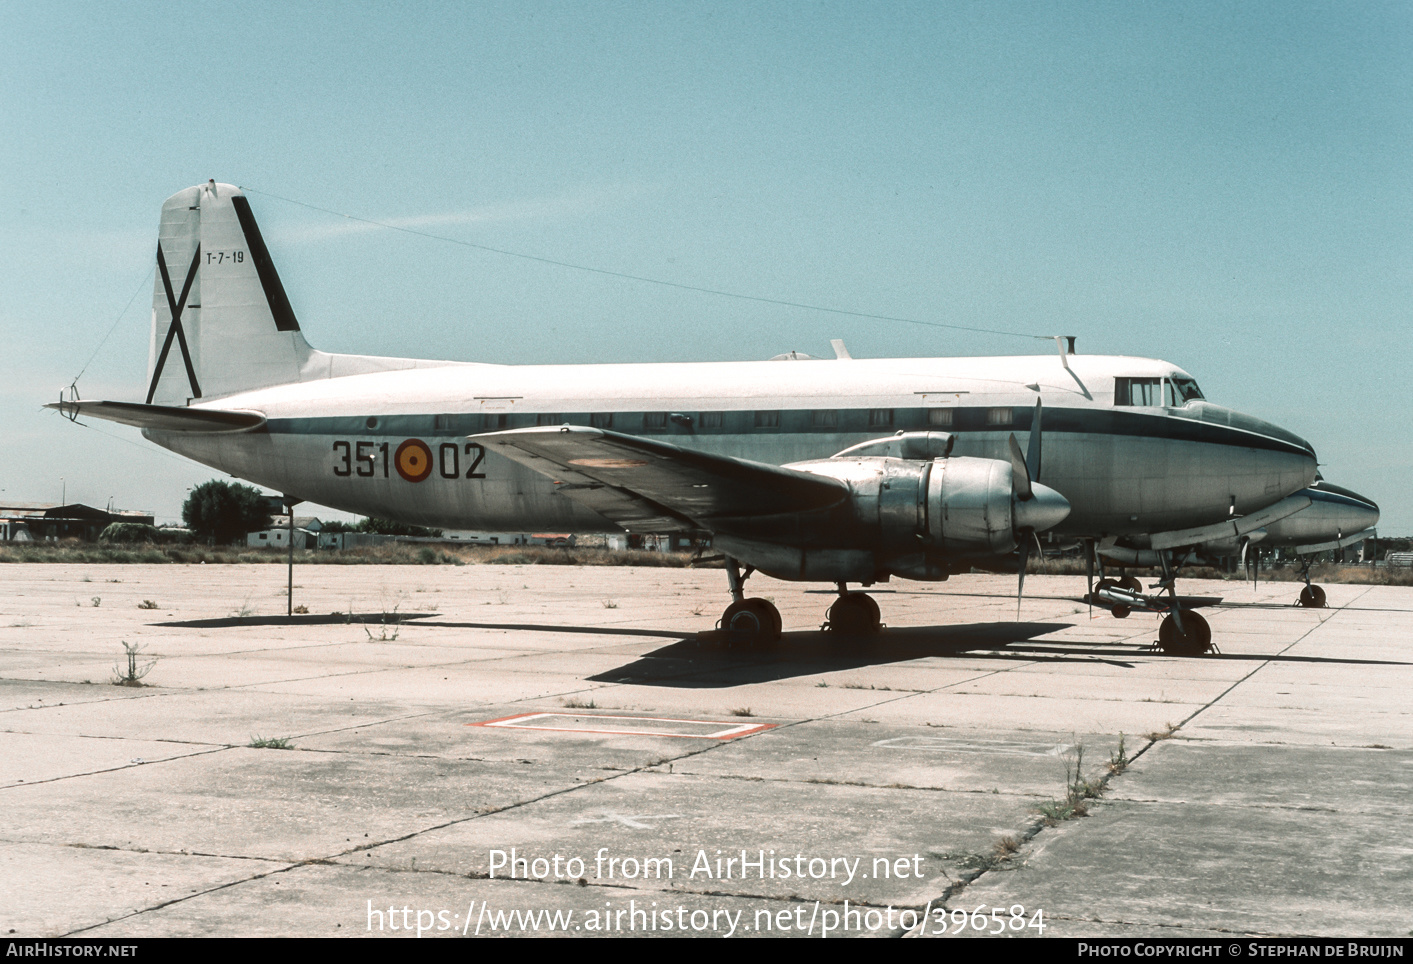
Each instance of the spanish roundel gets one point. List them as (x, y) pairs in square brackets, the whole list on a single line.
[(413, 460)]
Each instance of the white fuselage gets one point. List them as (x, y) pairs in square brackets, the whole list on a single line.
[(1124, 468)]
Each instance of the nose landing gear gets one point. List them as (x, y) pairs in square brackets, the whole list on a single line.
[(1311, 597), (1184, 633)]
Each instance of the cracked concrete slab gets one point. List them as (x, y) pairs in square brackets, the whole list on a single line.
[(1270, 810)]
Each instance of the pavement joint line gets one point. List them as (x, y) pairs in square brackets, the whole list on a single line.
[(125, 766), (186, 897), (856, 783)]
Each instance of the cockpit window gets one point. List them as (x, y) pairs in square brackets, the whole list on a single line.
[(1137, 391), (1185, 389)]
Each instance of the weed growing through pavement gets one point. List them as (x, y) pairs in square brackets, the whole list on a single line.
[(383, 635), (1166, 733), (1118, 760), (147, 604), (574, 703), (97, 601), (610, 604), (271, 743), (1078, 790), (741, 711), (135, 671)]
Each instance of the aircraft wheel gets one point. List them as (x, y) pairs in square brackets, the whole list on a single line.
[(1131, 583), (1196, 640), (752, 620), (854, 614), (1120, 612), (1103, 584), (1312, 597)]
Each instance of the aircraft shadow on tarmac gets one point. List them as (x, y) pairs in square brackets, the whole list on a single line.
[(711, 659), (298, 619)]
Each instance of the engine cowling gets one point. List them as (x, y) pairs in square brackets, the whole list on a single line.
[(958, 505)]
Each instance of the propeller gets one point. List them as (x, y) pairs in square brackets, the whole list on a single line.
[(1250, 560), (1024, 472)]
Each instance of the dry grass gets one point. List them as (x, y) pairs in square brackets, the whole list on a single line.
[(409, 554)]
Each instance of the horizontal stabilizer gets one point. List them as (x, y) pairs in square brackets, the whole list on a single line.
[(647, 485), (164, 418)]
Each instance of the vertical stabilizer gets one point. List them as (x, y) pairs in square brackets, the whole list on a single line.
[(221, 322)]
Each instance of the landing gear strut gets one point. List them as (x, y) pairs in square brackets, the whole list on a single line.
[(748, 620), (854, 614), (1311, 597), (1183, 632)]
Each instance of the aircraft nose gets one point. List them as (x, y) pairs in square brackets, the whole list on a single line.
[(1044, 510), (1368, 515)]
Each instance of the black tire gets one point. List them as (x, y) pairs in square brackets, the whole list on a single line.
[(744, 622), (854, 614), (1194, 639), (1312, 597), (770, 616), (1120, 612), (1103, 584), (1131, 583)]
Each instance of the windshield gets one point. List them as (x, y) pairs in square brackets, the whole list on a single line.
[(1182, 389)]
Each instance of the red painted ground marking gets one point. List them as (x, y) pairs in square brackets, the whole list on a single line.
[(532, 721)]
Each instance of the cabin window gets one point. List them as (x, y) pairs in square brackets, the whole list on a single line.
[(548, 418), (655, 421), (495, 421), (825, 418), (1137, 391), (442, 423), (1000, 416), (710, 420), (601, 420), (767, 419), (880, 418), (939, 417)]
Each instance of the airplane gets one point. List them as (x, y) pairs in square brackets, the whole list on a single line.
[(842, 470), (1334, 517)]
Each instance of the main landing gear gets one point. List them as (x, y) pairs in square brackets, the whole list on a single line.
[(854, 614), (748, 620)]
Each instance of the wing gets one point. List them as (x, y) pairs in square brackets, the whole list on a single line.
[(649, 486)]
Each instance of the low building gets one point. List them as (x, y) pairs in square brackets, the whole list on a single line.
[(50, 521)]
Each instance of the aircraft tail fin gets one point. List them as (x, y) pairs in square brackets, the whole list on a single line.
[(221, 321)]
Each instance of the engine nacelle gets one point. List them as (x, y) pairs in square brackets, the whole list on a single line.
[(953, 506)]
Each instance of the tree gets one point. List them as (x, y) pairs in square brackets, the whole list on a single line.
[(221, 512)]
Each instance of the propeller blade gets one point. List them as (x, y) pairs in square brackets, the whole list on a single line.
[(1032, 458), (1089, 574), (1024, 549), (1020, 475)]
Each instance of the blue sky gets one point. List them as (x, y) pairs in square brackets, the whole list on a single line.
[(1225, 186)]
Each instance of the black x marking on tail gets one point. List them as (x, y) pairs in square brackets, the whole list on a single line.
[(177, 306)]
